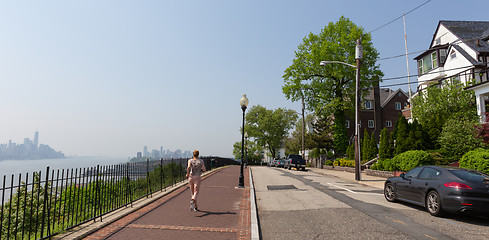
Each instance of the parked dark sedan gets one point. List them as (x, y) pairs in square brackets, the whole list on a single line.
[(441, 189)]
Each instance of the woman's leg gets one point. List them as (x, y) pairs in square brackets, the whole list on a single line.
[(191, 183), (197, 181)]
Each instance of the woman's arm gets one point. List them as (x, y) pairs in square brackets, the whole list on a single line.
[(203, 166), (188, 168)]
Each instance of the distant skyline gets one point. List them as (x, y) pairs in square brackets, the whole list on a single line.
[(104, 78)]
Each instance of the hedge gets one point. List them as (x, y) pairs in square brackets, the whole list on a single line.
[(404, 161), (477, 159)]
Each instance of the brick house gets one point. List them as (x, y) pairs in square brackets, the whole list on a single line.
[(379, 109)]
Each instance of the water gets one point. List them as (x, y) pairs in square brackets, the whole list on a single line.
[(9, 167)]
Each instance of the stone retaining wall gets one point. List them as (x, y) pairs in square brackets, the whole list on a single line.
[(370, 172)]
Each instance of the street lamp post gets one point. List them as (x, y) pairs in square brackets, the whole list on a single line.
[(358, 58), (244, 104), (246, 150)]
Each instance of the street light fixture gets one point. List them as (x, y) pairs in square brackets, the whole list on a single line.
[(358, 57), (244, 104)]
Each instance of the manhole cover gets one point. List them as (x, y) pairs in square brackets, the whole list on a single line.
[(280, 187)]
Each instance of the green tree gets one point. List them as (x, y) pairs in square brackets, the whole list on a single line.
[(401, 136), (373, 147), (385, 148), (365, 146), (458, 137), (436, 105), (293, 144), (321, 135), (369, 146), (253, 151), (329, 90), (269, 128), (350, 151)]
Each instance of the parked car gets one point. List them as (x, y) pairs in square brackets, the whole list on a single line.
[(279, 163), (441, 189), (295, 160)]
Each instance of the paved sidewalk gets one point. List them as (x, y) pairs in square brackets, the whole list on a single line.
[(377, 182), (224, 213)]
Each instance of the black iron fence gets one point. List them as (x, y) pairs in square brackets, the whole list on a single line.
[(43, 204)]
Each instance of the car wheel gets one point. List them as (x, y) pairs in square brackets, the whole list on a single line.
[(390, 192), (433, 203)]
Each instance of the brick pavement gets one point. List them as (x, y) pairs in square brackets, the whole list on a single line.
[(224, 213)]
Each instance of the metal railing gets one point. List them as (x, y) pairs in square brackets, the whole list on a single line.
[(43, 204)]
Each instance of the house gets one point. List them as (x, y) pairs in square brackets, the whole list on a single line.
[(459, 51), (379, 109)]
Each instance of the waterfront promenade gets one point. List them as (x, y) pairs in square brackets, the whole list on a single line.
[(225, 212)]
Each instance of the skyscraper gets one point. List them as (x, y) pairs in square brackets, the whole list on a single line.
[(36, 140)]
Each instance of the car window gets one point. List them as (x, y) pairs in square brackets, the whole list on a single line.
[(413, 173), (429, 173), (470, 175)]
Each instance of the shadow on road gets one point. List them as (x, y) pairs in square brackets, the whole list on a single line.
[(208, 213)]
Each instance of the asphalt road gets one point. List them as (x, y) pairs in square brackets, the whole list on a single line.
[(305, 205)]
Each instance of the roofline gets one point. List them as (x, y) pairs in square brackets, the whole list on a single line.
[(392, 95), (431, 50), (462, 40)]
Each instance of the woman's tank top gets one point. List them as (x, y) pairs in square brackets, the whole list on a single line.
[(196, 167)]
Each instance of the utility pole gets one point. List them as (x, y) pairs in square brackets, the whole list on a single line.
[(358, 57), (407, 63), (303, 124)]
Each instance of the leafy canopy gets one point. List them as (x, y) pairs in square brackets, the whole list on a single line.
[(269, 128), (332, 86)]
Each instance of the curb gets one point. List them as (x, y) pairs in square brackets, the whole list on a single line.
[(255, 233)]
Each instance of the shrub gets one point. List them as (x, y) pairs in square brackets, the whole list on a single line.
[(477, 159), (404, 161), (458, 136), (328, 163), (411, 159), (439, 158), (341, 162)]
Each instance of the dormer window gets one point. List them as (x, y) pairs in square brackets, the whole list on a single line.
[(443, 55), (427, 63)]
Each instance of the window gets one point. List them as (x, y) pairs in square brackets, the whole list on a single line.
[(371, 124), (413, 173), (429, 174), (427, 63), (368, 104), (347, 124), (398, 106), (443, 55), (453, 54), (388, 123), (438, 41), (405, 104), (434, 60)]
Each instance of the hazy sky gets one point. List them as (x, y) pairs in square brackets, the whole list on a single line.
[(105, 78)]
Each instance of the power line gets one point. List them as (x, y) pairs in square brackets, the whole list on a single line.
[(400, 17), (458, 41), (416, 75), (441, 79)]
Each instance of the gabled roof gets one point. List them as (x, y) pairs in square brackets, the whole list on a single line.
[(391, 96), (471, 33), (386, 94)]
